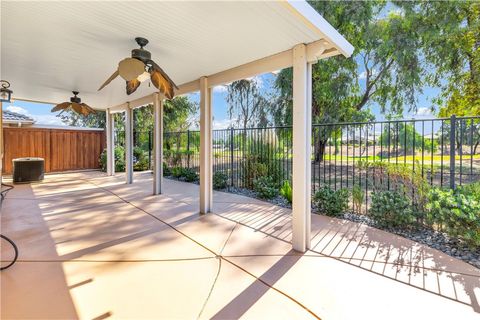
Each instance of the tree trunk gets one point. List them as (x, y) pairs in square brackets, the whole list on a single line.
[(320, 146)]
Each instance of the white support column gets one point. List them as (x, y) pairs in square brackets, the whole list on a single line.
[(128, 145), (206, 185), (109, 125), (157, 144), (301, 179), (1, 142), (308, 165)]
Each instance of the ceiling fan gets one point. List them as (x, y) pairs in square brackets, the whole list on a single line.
[(139, 68), (74, 104)]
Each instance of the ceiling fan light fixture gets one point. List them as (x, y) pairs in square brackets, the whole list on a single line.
[(144, 76), (130, 68), (139, 68)]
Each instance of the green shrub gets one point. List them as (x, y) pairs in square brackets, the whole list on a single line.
[(166, 170), (392, 209), (357, 198), (185, 174), (456, 212), (177, 172), (103, 160), (220, 180), (265, 187), (141, 165), (190, 175), (471, 190), (140, 159), (386, 176), (253, 169), (261, 160), (330, 202), (119, 159), (286, 191)]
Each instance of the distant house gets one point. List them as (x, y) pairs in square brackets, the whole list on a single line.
[(13, 119)]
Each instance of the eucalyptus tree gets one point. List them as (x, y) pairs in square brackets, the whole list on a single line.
[(450, 35), (385, 68), (247, 105)]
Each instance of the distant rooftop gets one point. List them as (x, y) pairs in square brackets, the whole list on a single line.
[(13, 117)]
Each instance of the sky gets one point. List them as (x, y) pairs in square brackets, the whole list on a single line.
[(42, 115)]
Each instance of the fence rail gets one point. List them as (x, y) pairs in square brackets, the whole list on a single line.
[(444, 151)]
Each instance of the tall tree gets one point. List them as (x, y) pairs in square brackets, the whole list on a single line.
[(450, 35), (384, 68), (93, 120), (246, 103)]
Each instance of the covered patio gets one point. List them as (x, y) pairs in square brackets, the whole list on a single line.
[(93, 248), (95, 245), (199, 44)]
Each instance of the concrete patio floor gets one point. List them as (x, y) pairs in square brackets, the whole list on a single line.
[(92, 247)]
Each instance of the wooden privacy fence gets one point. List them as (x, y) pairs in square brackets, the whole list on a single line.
[(62, 149)]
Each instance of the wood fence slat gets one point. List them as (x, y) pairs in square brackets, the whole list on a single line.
[(62, 149)]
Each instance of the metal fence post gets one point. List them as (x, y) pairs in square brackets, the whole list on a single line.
[(231, 156), (453, 129), (149, 149), (188, 148)]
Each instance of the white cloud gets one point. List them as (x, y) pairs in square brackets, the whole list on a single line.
[(424, 112), (45, 119), (16, 109), (257, 79), (220, 88), (48, 119), (222, 124)]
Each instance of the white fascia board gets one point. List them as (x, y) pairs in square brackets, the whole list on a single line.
[(315, 21)]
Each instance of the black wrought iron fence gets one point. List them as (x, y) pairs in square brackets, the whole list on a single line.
[(445, 152)]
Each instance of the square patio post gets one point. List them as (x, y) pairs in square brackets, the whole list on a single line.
[(110, 142), (205, 146), (1, 142), (157, 143), (302, 123), (128, 144)]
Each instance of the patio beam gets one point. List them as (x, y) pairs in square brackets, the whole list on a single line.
[(206, 185), (157, 143), (315, 51), (128, 144), (148, 99), (302, 122), (110, 142)]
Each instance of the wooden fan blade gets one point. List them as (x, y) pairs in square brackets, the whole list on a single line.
[(162, 84), (157, 68), (113, 76), (61, 106), (78, 108), (87, 109), (132, 86)]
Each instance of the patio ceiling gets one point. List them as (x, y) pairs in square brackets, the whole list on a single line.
[(49, 49)]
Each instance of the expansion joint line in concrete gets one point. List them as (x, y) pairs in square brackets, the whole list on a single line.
[(211, 251)]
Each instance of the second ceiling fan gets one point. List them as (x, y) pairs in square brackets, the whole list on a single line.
[(141, 67)]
